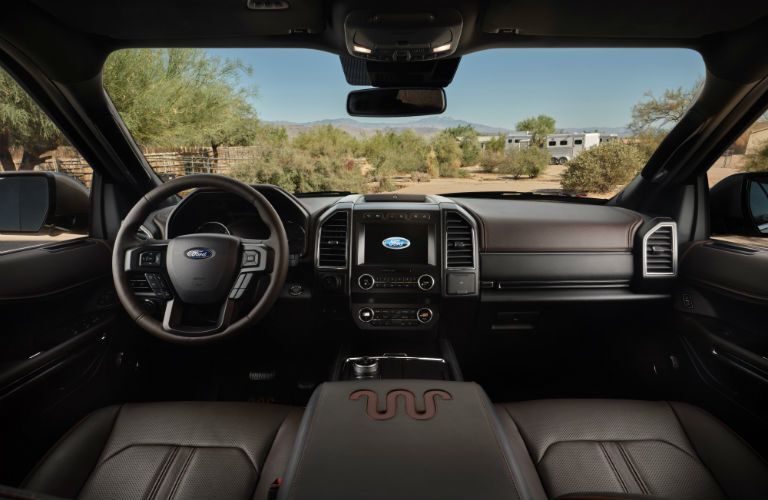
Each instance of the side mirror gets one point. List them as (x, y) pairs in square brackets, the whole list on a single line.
[(31, 200), (396, 102), (739, 205), (758, 203)]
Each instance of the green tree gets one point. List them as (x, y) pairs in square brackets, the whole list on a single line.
[(448, 154), (659, 112), (539, 127), (181, 97), (758, 161), (466, 135), (23, 125), (497, 144)]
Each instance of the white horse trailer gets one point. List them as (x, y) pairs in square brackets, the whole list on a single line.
[(565, 147), (518, 140)]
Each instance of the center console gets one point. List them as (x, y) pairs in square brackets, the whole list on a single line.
[(385, 439), (397, 257)]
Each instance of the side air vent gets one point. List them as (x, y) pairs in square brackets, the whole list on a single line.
[(660, 250), (332, 250), (459, 245), (139, 283)]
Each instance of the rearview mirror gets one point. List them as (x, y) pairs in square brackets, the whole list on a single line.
[(739, 205), (396, 102), (31, 200)]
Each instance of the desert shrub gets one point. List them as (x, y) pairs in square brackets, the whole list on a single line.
[(327, 140), (496, 144), (430, 164), (516, 162), (602, 168), (420, 177), (396, 151), (757, 162), (296, 170), (491, 159), (648, 141), (448, 155)]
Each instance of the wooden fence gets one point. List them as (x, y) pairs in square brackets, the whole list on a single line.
[(167, 164)]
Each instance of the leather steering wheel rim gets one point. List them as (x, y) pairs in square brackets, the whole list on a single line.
[(126, 239)]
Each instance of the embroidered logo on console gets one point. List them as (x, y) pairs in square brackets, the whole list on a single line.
[(390, 410), (396, 243)]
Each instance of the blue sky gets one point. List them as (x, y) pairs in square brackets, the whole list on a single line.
[(579, 87)]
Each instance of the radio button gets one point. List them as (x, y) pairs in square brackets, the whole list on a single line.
[(365, 314), (425, 282), (424, 315), (366, 281)]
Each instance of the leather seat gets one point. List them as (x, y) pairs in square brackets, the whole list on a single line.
[(170, 450), (633, 449)]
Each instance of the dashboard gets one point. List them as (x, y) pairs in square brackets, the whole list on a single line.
[(210, 211), (410, 263)]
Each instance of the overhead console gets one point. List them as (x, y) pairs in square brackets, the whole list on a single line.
[(396, 257), (402, 36)]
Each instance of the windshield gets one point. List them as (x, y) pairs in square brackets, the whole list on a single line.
[(547, 121)]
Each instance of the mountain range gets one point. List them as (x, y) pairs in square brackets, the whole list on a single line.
[(427, 126)]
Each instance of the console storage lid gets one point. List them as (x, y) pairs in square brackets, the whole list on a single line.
[(385, 439)]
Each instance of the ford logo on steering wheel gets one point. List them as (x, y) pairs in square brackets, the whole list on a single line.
[(199, 253), (396, 243)]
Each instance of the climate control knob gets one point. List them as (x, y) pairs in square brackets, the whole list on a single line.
[(366, 281), (425, 282), (424, 315)]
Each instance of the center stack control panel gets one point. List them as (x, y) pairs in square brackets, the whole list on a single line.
[(395, 261), (395, 269)]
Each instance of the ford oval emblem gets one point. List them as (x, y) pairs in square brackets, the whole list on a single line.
[(199, 253), (396, 243)]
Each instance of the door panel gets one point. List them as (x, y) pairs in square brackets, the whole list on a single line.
[(722, 314), (63, 348)]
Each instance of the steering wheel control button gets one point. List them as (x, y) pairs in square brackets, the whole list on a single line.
[(366, 281), (150, 258), (365, 367), (425, 282), (365, 314), (240, 285), (158, 286), (251, 258), (424, 315)]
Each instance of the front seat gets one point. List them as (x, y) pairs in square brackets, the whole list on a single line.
[(170, 450), (635, 449)]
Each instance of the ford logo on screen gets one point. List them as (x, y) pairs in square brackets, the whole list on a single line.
[(396, 243), (199, 253)]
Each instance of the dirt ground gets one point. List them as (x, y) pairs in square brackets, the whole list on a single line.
[(547, 182)]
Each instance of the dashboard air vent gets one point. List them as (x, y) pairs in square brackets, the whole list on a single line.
[(332, 251), (660, 250), (460, 250)]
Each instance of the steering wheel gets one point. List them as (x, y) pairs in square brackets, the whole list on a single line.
[(197, 271)]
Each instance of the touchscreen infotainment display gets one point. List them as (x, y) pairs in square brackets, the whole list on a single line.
[(396, 244)]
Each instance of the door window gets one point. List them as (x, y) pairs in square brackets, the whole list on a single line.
[(44, 182)]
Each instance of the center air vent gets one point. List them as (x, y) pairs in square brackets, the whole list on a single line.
[(332, 250), (660, 250), (459, 244)]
